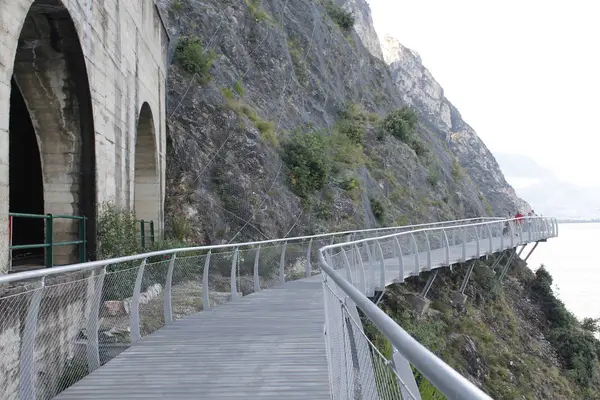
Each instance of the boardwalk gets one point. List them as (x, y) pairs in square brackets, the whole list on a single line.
[(268, 345)]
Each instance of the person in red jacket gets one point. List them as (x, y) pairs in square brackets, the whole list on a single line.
[(519, 217)]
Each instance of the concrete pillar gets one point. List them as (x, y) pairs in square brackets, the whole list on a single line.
[(4, 174)]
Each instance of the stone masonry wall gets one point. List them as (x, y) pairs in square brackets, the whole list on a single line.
[(124, 46)]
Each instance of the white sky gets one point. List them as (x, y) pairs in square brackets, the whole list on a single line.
[(524, 74)]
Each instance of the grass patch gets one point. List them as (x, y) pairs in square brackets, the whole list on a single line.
[(191, 56)]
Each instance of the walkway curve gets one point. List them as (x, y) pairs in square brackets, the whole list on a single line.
[(268, 343)]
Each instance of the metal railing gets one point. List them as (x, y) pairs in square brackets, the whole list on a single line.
[(143, 231), (49, 244), (67, 321), (356, 269)]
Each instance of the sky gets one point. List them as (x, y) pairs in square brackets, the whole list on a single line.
[(524, 74)]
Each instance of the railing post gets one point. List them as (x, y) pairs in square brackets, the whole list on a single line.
[(381, 266), (428, 251), (447, 246), (416, 254), (152, 232), (135, 305), (478, 249), (308, 266), (10, 242), (406, 378), (464, 244), (489, 230), (205, 289), (282, 264), (256, 275), (49, 240), (400, 259), (27, 370), (143, 233), (372, 283), (82, 239), (349, 276), (92, 348), (168, 309), (362, 279), (234, 262)]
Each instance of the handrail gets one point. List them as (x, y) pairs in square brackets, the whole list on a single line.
[(495, 221), (441, 375), (49, 243), (86, 266), (452, 384)]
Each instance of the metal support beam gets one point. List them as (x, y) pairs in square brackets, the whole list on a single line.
[(507, 266), (380, 297), (463, 286), (531, 251), (428, 284), (521, 251)]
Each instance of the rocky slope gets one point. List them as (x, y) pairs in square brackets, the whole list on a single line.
[(420, 89), (513, 339), (277, 67)]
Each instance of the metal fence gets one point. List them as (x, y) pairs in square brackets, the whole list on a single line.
[(28, 250), (356, 269), (59, 324)]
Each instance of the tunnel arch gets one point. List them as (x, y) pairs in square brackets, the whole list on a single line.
[(146, 192), (50, 76)]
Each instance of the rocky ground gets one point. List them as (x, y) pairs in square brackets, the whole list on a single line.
[(502, 339)]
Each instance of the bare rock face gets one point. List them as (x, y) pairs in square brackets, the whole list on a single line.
[(286, 66), (364, 26), (419, 89)]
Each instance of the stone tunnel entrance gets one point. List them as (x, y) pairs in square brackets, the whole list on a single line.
[(147, 183), (52, 154)]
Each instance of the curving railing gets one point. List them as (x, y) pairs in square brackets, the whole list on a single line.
[(355, 270), (59, 324)]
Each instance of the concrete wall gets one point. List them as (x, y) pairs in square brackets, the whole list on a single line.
[(124, 47)]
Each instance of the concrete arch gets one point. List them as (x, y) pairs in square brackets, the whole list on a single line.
[(147, 191), (51, 76)]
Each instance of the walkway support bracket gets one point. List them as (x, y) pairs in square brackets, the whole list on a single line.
[(531, 251), (463, 286), (429, 284)]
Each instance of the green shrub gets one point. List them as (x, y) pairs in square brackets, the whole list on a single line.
[(377, 209), (177, 227), (344, 19), (419, 147), (306, 159), (117, 232), (433, 177), (353, 129), (591, 324), (576, 347), (191, 56), (401, 123), (456, 170)]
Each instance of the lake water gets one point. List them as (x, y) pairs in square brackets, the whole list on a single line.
[(573, 260)]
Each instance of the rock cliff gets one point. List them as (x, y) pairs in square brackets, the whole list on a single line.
[(278, 67), (419, 88)]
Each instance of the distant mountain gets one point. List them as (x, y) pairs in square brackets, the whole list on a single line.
[(546, 193)]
